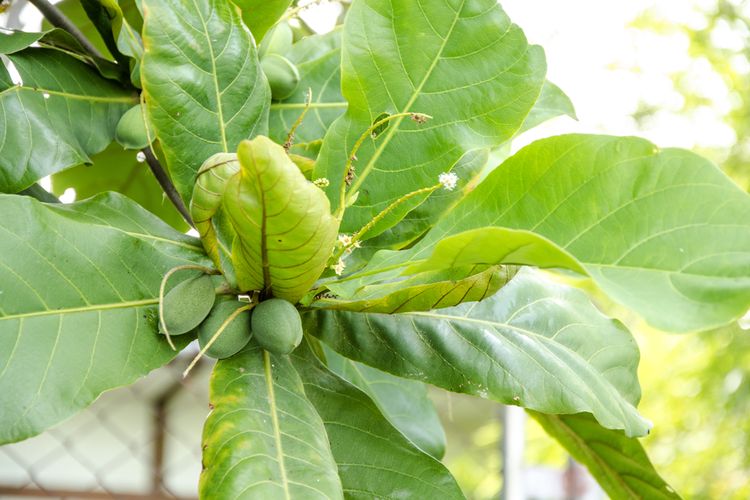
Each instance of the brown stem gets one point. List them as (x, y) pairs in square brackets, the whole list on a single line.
[(57, 18), (166, 184)]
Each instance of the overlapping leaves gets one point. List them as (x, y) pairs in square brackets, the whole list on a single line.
[(535, 344), (663, 232), (61, 113), (264, 439), (473, 72), (202, 82)]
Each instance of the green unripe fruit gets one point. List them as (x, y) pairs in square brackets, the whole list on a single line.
[(187, 304), (277, 326), (282, 75), (131, 129), (235, 336), (278, 41)]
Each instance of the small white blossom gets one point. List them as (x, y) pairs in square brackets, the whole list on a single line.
[(140, 157), (339, 267), (448, 180), (322, 182), (345, 240)]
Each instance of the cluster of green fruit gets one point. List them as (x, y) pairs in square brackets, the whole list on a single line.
[(224, 324)]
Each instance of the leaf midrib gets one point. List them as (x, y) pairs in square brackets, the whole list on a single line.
[(69, 95), (219, 110), (275, 420), (73, 310)]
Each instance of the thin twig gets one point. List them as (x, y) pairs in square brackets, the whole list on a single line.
[(57, 18), (166, 184)]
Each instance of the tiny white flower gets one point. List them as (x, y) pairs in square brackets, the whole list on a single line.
[(322, 182), (339, 267), (345, 240), (140, 157), (448, 180)]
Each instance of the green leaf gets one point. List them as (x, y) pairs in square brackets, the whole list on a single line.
[(552, 103), (494, 245), (403, 402), (421, 292), (318, 59), (619, 463), (374, 459), (115, 169), (261, 15), (79, 288), (663, 232), (62, 113), (202, 83), (285, 230), (264, 439), (534, 344), (463, 63)]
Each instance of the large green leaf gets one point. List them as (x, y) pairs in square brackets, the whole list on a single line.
[(284, 227), (318, 59), (116, 169), (663, 232), (374, 459), (402, 401), (261, 15), (264, 439), (78, 304), (462, 62), (535, 344), (202, 82), (62, 112), (619, 463)]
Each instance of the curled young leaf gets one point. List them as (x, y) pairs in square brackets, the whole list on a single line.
[(285, 230), (206, 202)]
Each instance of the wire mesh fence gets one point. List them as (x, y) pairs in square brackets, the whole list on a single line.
[(140, 441)]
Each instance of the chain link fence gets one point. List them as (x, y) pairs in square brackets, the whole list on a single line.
[(140, 441)]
